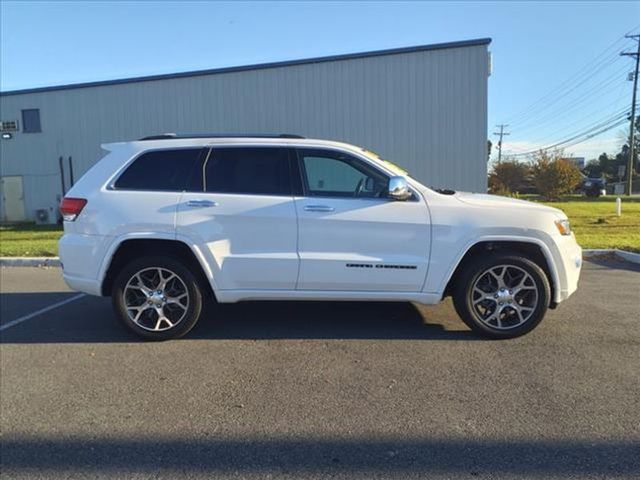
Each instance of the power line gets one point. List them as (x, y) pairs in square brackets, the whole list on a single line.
[(571, 105), (595, 134), (594, 64), (601, 121), (577, 138), (583, 122), (572, 95), (564, 94), (601, 127), (575, 142)]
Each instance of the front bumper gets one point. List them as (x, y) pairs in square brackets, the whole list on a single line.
[(569, 263)]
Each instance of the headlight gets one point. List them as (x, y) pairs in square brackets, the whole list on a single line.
[(563, 226)]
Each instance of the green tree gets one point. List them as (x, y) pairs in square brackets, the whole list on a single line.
[(554, 176), (593, 169), (508, 177), (605, 163)]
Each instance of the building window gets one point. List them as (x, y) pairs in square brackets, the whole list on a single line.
[(31, 120)]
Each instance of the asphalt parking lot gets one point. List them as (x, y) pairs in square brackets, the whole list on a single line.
[(310, 390)]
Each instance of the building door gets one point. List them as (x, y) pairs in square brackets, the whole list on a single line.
[(12, 199)]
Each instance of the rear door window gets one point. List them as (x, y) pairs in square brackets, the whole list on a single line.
[(160, 170), (248, 170)]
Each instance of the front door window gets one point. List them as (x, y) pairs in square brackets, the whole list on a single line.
[(335, 174)]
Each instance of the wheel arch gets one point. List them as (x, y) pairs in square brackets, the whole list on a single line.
[(130, 248), (533, 250)]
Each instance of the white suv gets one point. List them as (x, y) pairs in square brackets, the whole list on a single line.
[(163, 223)]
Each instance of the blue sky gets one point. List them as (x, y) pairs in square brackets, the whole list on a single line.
[(556, 68)]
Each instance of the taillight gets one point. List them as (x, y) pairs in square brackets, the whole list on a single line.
[(70, 208)]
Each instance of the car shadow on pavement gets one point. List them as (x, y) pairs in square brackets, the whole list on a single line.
[(308, 457), (91, 320), (327, 320)]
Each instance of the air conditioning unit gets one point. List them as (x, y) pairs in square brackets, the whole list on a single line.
[(9, 126), (42, 217)]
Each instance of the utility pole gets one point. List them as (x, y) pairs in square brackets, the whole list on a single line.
[(501, 133), (632, 126)]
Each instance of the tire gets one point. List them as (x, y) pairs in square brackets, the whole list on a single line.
[(505, 307), (151, 311)]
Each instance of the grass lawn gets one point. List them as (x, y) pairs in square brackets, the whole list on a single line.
[(596, 225), (29, 240), (594, 222)]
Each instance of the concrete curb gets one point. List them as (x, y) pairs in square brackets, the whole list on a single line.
[(29, 262), (621, 254), (628, 256), (55, 261)]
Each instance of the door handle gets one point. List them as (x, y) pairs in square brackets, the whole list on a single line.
[(318, 208), (202, 203)]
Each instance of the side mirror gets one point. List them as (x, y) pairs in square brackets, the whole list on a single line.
[(399, 189)]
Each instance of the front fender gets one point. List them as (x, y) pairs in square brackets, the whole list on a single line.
[(438, 285)]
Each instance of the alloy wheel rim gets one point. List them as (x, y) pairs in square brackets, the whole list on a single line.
[(156, 299), (504, 297)]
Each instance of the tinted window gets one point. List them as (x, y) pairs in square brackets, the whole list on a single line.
[(31, 121), (160, 170), (336, 174), (259, 171)]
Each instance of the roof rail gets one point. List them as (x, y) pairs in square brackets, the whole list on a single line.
[(176, 136)]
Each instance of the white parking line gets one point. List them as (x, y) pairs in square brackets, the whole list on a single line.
[(15, 322)]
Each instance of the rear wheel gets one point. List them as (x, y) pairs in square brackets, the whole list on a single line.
[(502, 295), (157, 298)]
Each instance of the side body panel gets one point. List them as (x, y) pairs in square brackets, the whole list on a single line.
[(363, 244), (249, 241)]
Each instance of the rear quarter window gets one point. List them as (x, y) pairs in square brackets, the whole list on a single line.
[(160, 170)]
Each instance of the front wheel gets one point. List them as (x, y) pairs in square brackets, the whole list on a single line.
[(502, 295), (157, 298)]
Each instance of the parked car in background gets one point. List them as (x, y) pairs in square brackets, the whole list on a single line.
[(162, 223), (594, 187)]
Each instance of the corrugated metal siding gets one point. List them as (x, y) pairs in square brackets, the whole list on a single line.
[(424, 110)]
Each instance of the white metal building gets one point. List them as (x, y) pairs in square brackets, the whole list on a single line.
[(423, 107)]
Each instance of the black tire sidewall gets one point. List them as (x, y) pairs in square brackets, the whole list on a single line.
[(462, 300), (190, 281)]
